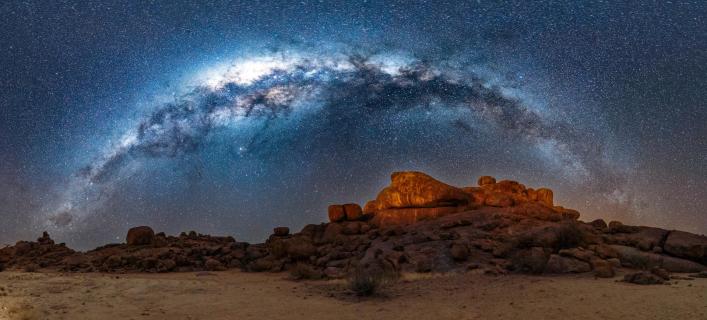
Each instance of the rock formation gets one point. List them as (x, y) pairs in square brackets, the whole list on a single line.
[(140, 236), (417, 224)]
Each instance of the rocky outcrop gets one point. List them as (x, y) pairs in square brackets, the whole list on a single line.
[(686, 245), (560, 264), (281, 231), (415, 196), (402, 216), (644, 238), (417, 224), (43, 253), (635, 258), (602, 268), (348, 212), (336, 213), (416, 190)]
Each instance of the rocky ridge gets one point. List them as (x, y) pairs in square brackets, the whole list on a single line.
[(417, 224)]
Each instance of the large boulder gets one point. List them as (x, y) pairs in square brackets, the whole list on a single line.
[(644, 278), (532, 260), (459, 252), (567, 213), (644, 238), (413, 189), (498, 199), (404, 216), (544, 196), (300, 248), (599, 224), (353, 211), (602, 268), (634, 258), (687, 245), (486, 180), (476, 195), (336, 213), (212, 264), (281, 231), (507, 187), (538, 211), (560, 264), (140, 236), (578, 253)]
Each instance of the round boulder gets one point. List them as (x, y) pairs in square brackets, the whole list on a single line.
[(281, 231), (212, 264), (602, 268), (484, 180), (140, 236), (336, 213), (353, 211)]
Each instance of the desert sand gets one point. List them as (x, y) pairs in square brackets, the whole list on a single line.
[(238, 295)]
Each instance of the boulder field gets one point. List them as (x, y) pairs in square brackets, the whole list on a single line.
[(416, 224)]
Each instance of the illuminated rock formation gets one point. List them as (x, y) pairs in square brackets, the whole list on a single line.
[(417, 224), (415, 196)]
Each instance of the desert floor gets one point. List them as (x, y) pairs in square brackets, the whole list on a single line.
[(237, 295)]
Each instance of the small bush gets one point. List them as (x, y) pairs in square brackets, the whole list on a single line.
[(303, 271), (369, 282)]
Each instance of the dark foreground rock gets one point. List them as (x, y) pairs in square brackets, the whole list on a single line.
[(655, 276), (417, 224)]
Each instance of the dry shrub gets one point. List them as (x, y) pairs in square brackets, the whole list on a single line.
[(367, 282)]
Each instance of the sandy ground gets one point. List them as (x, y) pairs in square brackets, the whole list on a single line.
[(236, 295)]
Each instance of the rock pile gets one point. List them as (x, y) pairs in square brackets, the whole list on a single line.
[(415, 196), (417, 224), (28, 255)]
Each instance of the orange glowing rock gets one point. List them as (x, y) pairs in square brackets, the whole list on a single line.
[(418, 190), (405, 216)]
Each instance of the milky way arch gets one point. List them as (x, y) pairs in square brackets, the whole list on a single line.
[(278, 85)]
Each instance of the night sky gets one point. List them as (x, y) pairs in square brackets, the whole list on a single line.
[(236, 117)]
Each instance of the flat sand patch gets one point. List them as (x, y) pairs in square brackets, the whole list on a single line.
[(238, 295)]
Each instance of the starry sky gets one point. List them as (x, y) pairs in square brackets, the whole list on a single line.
[(233, 117)]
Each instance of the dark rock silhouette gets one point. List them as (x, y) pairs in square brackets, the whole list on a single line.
[(417, 224), (140, 236)]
